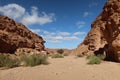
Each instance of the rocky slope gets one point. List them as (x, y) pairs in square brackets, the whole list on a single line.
[(105, 33), (14, 35)]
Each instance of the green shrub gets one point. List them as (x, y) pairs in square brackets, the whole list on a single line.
[(102, 57), (90, 56), (33, 60), (94, 59), (57, 56), (79, 55), (60, 51), (65, 54), (24, 60), (8, 62)]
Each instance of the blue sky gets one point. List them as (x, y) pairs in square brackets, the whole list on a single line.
[(61, 23)]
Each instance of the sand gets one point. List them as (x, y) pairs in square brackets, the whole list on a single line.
[(68, 68)]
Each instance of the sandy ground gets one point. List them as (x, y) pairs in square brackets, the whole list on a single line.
[(68, 68)]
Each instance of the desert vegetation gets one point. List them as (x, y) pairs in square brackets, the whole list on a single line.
[(79, 55), (57, 56), (95, 59), (60, 54), (60, 51), (23, 60), (33, 60), (65, 54), (8, 62)]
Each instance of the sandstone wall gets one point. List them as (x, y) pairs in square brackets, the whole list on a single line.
[(15, 35), (104, 30)]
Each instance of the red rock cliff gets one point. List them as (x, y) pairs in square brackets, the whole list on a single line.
[(14, 35), (105, 30)]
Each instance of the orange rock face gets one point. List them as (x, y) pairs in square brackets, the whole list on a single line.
[(105, 30), (14, 35)]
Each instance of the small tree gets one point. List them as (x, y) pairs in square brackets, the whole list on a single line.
[(60, 51)]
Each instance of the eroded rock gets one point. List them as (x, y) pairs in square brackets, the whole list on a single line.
[(105, 30), (15, 35)]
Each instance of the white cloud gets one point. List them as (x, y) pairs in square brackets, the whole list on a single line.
[(35, 19), (46, 32), (71, 38), (93, 4), (19, 13), (79, 33), (52, 39), (85, 14), (64, 33), (35, 30), (49, 33), (57, 37), (80, 24), (12, 10)]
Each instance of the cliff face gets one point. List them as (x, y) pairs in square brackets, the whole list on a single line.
[(14, 35), (105, 30)]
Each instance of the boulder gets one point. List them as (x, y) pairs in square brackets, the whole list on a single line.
[(14, 35), (105, 30)]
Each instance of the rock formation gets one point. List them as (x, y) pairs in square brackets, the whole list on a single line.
[(14, 35), (105, 30)]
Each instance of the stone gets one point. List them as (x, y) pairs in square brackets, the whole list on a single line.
[(14, 35), (104, 30)]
